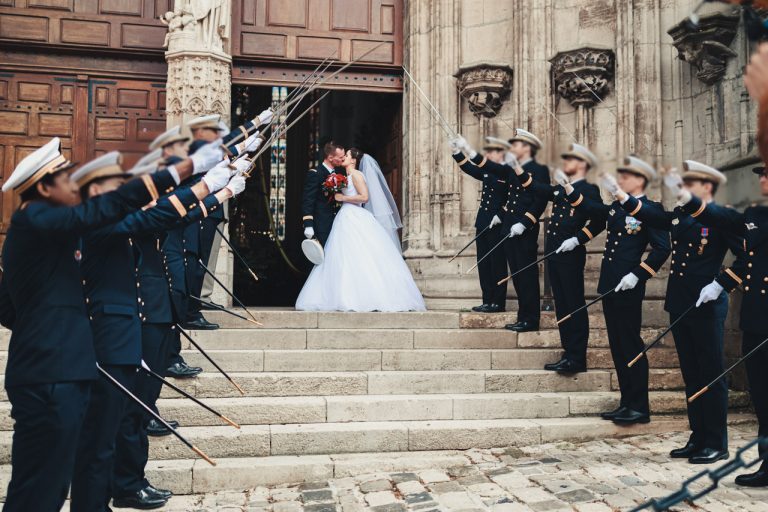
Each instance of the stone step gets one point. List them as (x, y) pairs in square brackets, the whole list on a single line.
[(403, 360), (292, 319), (378, 408), (395, 339), (223, 442)]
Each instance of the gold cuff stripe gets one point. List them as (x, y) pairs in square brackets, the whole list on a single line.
[(733, 276), (637, 209), (466, 159), (482, 163), (307, 217), (533, 219), (648, 268), (578, 201), (700, 210), (176, 202), (244, 131), (528, 181), (204, 209), (151, 188), (588, 233)]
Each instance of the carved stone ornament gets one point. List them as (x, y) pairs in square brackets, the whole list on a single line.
[(197, 85), (706, 46), (198, 25), (485, 86), (583, 76)]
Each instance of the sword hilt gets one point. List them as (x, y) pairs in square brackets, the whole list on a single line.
[(698, 394)]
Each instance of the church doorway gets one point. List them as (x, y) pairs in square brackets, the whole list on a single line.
[(265, 221)]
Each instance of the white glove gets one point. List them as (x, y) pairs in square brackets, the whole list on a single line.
[(264, 118), (517, 229), (709, 293), (465, 147), (627, 282), (236, 184), (608, 182), (455, 145), (511, 160), (568, 245), (309, 232), (251, 144), (218, 177), (673, 181), (241, 166), (494, 222), (206, 157), (560, 177)]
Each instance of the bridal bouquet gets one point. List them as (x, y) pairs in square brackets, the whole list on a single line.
[(333, 185)]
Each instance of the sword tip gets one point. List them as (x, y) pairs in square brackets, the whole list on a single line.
[(203, 455)]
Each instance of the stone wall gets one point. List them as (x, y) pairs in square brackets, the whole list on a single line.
[(647, 101)]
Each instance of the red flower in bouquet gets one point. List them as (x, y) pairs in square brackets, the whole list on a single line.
[(333, 185)]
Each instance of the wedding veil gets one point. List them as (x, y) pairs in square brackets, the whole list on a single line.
[(380, 201)]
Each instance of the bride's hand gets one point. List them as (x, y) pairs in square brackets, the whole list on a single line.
[(339, 197)]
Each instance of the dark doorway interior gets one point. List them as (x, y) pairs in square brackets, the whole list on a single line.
[(265, 221)]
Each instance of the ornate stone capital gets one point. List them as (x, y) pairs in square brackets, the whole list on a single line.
[(198, 84), (581, 76), (705, 46), (485, 86)]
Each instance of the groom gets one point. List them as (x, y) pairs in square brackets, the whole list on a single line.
[(318, 213)]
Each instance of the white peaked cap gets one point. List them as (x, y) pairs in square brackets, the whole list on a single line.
[(153, 157), (698, 171), (105, 166), (209, 121), (634, 165), (496, 143), (582, 153), (138, 170), (44, 160), (168, 137), (223, 128), (526, 136)]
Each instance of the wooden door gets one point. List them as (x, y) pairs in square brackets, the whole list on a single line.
[(91, 116)]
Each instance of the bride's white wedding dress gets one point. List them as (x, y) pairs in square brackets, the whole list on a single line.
[(362, 269)]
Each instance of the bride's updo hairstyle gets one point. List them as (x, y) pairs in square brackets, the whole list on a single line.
[(357, 155)]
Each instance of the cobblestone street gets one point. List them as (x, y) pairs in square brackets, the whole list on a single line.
[(597, 476)]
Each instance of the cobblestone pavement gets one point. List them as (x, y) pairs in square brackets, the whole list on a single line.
[(596, 476)]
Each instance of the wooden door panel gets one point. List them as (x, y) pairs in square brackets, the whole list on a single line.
[(313, 29)]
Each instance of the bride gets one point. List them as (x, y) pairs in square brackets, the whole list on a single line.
[(363, 269)]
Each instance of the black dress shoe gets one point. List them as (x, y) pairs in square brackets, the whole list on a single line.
[(523, 327), (685, 452), (140, 500), (757, 479), (631, 417), (157, 429), (480, 309), (552, 366), (160, 493), (183, 371), (610, 415), (494, 308), (568, 366), (199, 324), (708, 456)]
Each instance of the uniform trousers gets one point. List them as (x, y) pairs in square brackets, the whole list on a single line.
[(521, 251), (623, 316), (699, 343), (92, 481), (757, 374), (195, 272), (48, 419), (566, 274), (493, 268), (132, 451)]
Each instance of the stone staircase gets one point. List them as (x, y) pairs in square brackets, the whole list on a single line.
[(331, 394)]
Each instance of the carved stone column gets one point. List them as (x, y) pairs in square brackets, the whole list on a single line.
[(200, 81), (485, 86), (706, 46), (583, 76), (199, 67)]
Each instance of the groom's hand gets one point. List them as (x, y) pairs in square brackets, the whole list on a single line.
[(309, 232)]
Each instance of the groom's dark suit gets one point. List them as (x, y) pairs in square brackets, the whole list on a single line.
[(318, 213)]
